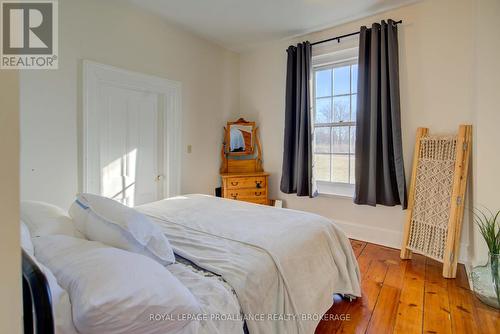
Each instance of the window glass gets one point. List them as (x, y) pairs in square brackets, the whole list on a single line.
[(340, 168), (354, 98), (322, 140), (354, 78), (340, 139), (323, 83), (335, 109), (323, 110), (341, 80), (341, 108), (322, 167)]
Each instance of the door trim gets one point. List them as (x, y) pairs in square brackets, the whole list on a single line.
[(170, 93)]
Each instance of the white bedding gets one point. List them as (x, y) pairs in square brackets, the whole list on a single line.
[(117, 291), (281, 263), (214, 296)]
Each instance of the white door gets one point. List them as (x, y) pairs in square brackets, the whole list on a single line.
[(131, 135), (130, 150)]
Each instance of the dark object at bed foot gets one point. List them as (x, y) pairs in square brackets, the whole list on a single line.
[(36, 299)]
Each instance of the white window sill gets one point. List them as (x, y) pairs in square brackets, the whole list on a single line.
[(334, 189)]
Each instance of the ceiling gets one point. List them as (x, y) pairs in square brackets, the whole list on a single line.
[(240, 24)]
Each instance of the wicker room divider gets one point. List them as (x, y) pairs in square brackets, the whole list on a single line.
[(436, 197)]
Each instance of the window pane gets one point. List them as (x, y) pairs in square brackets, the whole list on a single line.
[(341, 108), (340, 168), (323, 110), (340, 139), (323, 83), (322, 167), (354, 79), (352, 130), (354, 101), (341, 80), (352, 178), (322, 140)]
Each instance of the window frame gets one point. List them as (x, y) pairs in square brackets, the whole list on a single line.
[(342, 189)]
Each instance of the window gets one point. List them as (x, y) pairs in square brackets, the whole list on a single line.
[(335, 88)]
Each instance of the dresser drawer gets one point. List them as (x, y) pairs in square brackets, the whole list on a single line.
[(244, 194), (254, 182)]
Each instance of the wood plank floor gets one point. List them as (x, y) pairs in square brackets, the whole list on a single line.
[(408, 297)]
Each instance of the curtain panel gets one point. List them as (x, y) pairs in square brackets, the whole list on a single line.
[(379, 171), (297, 153)]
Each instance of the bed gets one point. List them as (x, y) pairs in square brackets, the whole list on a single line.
[(273, 270)]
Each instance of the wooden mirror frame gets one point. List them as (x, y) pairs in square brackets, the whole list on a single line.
[(227, 137)]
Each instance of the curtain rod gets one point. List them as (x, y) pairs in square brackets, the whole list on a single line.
[(338, 38)]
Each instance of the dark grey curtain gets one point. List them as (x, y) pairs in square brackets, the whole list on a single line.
[(297, 154), (380, 175)]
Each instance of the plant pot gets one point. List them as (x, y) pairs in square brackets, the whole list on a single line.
[(486, 281)]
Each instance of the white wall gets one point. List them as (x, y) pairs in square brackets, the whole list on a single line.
[(10, 253), (449, 75), (437, 64), (118, 34), (487, 151)]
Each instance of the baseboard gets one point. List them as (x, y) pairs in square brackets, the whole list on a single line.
[(385, 237), (375, 235), (468, 270)]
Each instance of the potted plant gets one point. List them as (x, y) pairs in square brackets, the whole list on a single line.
[(486, 279)]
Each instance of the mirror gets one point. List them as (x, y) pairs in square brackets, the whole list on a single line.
[(240, 137)]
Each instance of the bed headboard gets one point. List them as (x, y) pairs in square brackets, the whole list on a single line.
[(37, 301)]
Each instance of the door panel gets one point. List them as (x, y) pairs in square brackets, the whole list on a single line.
[(131, 134), (147, 188), (129, 145)]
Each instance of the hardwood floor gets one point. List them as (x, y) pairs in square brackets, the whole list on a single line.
[(408, 297)]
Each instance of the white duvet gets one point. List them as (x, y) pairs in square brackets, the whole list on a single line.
[(214, 298), (284, 265)]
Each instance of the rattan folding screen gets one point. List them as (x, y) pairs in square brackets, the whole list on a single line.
[(436, 197)]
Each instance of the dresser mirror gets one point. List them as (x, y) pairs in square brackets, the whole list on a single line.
[(241, 150), (240, 137)]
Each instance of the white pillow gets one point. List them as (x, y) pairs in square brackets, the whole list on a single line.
[(105, 220), (26, 243), (115, 291), (45, 219), (61, 306)]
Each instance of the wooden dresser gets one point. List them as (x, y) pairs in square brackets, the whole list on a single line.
[(243, 178), (248, 187)]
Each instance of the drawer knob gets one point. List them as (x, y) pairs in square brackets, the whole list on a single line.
[(234, 184), (234, 196), (258, 193), (258, 184)]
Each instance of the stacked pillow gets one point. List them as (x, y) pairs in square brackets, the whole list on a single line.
[(112, 223), (46, 219)]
